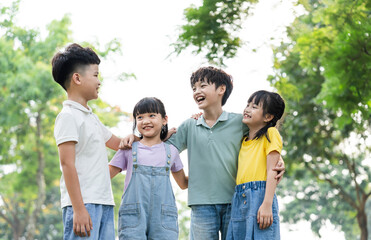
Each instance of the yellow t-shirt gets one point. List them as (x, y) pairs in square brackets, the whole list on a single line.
[(252, 160)]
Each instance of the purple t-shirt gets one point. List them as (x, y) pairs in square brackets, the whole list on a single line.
[(154, 156)]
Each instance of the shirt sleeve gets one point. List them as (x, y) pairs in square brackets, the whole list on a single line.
[(120, 160), (65, 129), (179, 139), (177, 164), (275, 143)]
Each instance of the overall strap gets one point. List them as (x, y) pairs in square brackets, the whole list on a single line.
[(168, 156), (134, 151)]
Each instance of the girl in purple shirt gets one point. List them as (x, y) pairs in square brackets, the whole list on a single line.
[(148, 209)]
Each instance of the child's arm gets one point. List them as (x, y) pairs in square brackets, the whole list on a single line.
[(113, 171), (81, 217), (181, 179), (265, 215), (113, 143)]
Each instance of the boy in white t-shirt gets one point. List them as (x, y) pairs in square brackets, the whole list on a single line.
[(86, 193)]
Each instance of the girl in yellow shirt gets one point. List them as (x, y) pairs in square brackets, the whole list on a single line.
[(254, 213)]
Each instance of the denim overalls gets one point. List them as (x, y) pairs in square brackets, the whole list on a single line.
[(148, 209)]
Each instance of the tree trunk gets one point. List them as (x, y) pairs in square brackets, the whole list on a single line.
[(31, 228), (362, 222)]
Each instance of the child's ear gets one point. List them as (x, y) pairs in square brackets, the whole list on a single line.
[(222, 89), (164, 120), (268, 117), (76, 78)]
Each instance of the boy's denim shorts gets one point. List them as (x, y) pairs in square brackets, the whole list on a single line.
[(208, 221), (246, 202), (101, 217)]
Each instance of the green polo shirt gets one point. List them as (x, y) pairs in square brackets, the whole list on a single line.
[(212, 157)]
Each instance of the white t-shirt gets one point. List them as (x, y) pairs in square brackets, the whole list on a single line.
[(77, 124)]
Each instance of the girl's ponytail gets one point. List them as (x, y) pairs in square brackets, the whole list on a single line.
[(164, 131), (264, 130)]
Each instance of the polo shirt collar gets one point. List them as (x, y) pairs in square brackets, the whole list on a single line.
[(77, 105), (223, 117)]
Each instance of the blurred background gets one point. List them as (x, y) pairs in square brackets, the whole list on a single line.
[(315, 53)]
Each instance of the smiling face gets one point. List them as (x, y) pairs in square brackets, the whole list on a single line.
[(207, 95), (149, 125), (254, 116), (88, 76)]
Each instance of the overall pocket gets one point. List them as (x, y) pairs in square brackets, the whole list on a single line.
[(129, 215), (169, 217)]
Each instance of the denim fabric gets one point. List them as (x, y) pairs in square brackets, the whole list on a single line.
[(148, 209), (101, 217), (208, 220), (247, 199)]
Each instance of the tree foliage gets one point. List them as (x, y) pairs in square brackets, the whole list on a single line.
[(213, 27), (324, 73)]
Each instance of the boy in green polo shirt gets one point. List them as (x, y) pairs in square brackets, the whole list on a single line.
[(213, 142)]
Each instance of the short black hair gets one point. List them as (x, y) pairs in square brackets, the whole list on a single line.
[(214, 75), (66, 62), (150, 105)]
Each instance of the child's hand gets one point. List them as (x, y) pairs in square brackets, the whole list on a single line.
[(265, 216), (82, 223), (280, 168), (170, 132), (126, 142), (196, 116)]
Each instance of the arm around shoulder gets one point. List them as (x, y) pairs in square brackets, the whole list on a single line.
[(113, 143)]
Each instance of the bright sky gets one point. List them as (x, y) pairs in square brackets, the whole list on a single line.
[(146, 29)]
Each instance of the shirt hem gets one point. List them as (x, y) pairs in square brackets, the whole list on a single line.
[(89, 202)]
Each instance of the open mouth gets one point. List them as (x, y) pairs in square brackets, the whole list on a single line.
[(200, 99)]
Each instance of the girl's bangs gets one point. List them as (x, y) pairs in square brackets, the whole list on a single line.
[(256, 98), (146, 106)]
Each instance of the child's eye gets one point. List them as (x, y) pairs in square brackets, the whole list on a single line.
[(152, 115), (139, 117)]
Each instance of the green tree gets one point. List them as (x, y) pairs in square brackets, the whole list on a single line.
[(323, 72), (29, 103), (213, 28)]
